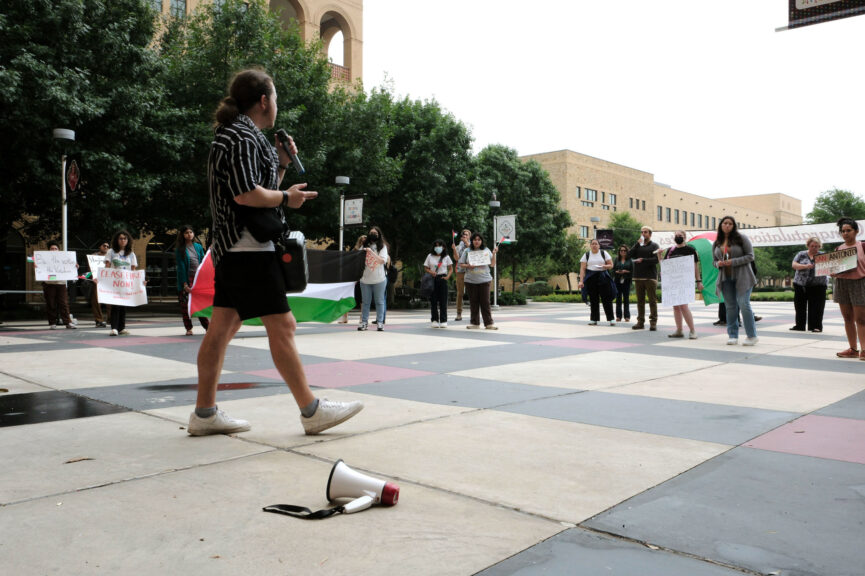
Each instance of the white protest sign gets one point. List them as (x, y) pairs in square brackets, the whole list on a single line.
[(835, 262), (55, 265), (96, 263), (678, 283), (121, 287), (478, 258)]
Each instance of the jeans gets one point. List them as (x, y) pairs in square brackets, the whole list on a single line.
[(735, 303), (368, 293)]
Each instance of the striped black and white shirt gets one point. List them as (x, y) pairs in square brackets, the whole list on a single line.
[(240, 158)]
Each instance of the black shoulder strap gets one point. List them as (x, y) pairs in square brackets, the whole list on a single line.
[(302, 512)]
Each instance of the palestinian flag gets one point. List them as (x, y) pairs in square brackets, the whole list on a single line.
[(702, 243), (328, 295), (504, 240)]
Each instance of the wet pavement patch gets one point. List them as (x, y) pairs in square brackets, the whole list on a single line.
[(37, 407)]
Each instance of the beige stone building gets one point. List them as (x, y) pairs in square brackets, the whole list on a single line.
[(324, 19), (593, 189)]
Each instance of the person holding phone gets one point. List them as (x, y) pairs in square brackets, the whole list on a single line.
[(644, 255), (732, 255)]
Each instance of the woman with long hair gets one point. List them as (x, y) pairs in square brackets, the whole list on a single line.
[(849, 291), (594, 276), (681, 311), (189, 254), (373, 283), (120, 256), (478, 279), (440, 265), (809, 290), (732, 254), (623, 272)]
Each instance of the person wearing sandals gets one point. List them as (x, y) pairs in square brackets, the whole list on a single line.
[(594, 276), (681, 311), (732, 254), (849, 291), (440, 265), (189, 255), (478, 279), (809, 290), (623, 271)]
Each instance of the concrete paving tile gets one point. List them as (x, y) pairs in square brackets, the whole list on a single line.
[(530, 464), (494, 355), (70, 369), (579, 552), (275, 419), (209, 520), (127, 341), (707, 422), (850, 407), (762, 511), (819, 436), (543, 329), (6, 340), (585, 343), (737, 384), (77, 454), (352, 345), (449, 390), (12, 385), (588, 371), (341, 374)]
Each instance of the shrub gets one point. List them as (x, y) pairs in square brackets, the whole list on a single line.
[(539, 289), (511, 298)]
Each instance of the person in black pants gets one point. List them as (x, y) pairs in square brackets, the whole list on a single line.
[(809, 291), (594, 275), (440, 265), (623, 271)]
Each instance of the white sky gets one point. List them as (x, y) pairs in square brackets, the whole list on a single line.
[(704, 94)]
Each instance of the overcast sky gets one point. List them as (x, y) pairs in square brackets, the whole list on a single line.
[(705, 95)]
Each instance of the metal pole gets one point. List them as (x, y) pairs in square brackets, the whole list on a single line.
[(341, 219), (63, 199), (495, 268)]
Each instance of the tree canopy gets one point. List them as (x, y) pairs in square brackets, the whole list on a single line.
[(833, 204)]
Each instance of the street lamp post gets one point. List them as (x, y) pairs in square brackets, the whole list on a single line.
[(63, 134), (494, 206), (342, 181)]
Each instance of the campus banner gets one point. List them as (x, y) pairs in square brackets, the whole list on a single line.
[(836, 261), (120, 287), (677, 281), (775, 235), (55, 265)]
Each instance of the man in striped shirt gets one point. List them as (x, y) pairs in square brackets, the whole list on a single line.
[(244, 171)]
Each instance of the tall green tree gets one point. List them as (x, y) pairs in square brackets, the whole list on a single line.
[(84, 65), (833, 204), (567, 260), (524, 189), (626, 228)]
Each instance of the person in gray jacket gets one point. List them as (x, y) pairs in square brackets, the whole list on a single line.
[(732, 254)]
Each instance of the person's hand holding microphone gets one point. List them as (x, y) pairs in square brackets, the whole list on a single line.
[(287, 150)]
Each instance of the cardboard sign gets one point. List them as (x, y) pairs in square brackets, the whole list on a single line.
[(835, 262), (678, 283), (120, 287), (96, 263), (478, 258), (55, 265)]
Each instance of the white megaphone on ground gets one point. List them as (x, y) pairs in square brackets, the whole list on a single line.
[(362, 489)]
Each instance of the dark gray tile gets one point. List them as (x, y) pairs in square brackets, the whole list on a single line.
[(763, 511), (455, 360), (731, 425), (51, 406), (850, 407), (578, 552)]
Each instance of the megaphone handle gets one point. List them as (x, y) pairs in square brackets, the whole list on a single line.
[(303, 512), (358, 504)]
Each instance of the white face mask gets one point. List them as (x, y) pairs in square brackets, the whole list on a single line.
[(438, 249)]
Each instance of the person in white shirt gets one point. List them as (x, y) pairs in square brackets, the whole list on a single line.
[(440, 265), (373, 283), (120, 256), (594, 276)]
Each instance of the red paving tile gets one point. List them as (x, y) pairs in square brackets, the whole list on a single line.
[(819, 436), (341, 374)]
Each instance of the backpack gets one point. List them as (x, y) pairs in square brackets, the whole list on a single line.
[(427, 283)]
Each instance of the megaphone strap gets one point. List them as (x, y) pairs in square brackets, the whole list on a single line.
[(302, 512)]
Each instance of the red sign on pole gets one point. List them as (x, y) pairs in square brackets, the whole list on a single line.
[(73, 176)]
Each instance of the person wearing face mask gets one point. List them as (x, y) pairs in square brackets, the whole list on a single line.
[(440, 265), (681, 311), (373, 283)]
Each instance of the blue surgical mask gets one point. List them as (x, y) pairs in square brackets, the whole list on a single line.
[(438, 249)]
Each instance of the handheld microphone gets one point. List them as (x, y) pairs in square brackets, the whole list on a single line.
[(295, 161)]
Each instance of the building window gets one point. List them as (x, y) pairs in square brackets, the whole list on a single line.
[(178, 8), (692, 220), (631, 203), (677, 216), (714, 224), (156, 5), (605, 207), (660, 213), (669, 211), (587, 203), (584, 231), (700, 221), (591, 195), (578, 192), (613, 199), (644, 205)]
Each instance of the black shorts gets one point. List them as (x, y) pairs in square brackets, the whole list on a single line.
[(251, 283)]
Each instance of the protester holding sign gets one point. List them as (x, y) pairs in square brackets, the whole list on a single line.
[(849, 291), (56, 297), (97, 261), (189, 254), (681, 311), (732, 255), (477, 261), (809, 290), (122, 257)]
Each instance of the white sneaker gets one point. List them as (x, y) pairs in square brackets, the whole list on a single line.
[(53, 327), (329, 414), (113, 332), (732, 342), (443, 325), (692, 336), (434, 324), (750, 341), (612, 322), (219, 423)]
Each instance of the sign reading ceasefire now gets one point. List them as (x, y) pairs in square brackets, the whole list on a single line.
[(120, 287)]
